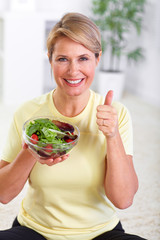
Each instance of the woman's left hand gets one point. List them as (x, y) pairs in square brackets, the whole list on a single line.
[(107, 118)]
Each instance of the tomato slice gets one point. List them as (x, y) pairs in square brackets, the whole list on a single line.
[(34, 138), (49, 148), (68, 140)]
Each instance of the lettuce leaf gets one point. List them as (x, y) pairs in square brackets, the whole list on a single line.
[(41, 128)]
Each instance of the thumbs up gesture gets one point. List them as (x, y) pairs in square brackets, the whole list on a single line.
[(108, 98), (107, 119)]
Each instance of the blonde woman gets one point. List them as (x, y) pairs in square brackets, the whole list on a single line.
[(73, 197)]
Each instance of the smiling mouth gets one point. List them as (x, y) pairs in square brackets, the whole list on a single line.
[(74, 81)]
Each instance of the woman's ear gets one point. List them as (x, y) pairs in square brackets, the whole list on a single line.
[(49, 57), (98, 58)]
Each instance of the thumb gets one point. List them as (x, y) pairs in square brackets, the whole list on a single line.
[(109, 97)]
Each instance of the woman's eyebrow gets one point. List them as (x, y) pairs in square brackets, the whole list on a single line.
[(61, 55), (84, 55)]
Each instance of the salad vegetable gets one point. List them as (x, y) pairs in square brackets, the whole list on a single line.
[(34, 138), (46, 142)]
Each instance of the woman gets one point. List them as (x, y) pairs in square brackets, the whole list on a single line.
[(74, 199)]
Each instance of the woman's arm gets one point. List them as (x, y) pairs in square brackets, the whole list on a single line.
[(14, 175), (120, 182)]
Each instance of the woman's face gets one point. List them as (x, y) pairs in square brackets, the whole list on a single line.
[(73, 66)]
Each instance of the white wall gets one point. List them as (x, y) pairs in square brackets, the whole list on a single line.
[(144, 79), (59, 7)]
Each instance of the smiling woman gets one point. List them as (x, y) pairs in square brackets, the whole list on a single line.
[(73, 67), (73, 58), (72, 196)]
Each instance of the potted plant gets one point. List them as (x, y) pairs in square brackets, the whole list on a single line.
[(117, 19)]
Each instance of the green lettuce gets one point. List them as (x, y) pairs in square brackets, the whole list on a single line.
[(41, 127)]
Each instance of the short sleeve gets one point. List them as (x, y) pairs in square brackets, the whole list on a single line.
[(13, 143)]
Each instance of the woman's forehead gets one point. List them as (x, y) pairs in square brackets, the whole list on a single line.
[(65, 45)]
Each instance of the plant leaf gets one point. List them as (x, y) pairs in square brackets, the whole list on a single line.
[(136, 55)]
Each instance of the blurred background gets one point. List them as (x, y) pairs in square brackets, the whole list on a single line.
[(25, 73), (24, 26)]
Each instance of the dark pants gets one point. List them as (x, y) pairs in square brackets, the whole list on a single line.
[(18, 232)]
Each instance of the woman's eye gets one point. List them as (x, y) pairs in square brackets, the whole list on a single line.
[(62, 59), (83, 59)]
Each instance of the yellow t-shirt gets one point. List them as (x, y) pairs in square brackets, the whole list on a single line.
[(67, 200)]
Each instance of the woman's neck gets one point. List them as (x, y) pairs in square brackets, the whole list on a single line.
[(70, 106)]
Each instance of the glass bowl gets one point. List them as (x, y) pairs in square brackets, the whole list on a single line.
[(44, 142)]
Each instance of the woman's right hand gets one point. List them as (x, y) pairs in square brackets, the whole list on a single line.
[(52, 161), (49, 161)]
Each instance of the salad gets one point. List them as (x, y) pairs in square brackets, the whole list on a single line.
[(50, 138)]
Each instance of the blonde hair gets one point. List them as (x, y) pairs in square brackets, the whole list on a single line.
[(80, 29)]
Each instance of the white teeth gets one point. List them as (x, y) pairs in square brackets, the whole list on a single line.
[(74, 82)]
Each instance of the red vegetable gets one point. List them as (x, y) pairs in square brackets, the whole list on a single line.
[(63, 126), (34, 138), (48, 148), (68, 140)]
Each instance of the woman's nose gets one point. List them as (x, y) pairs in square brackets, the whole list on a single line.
[(73, 67)]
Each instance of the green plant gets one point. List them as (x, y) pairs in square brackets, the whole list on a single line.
[(116, 19)]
